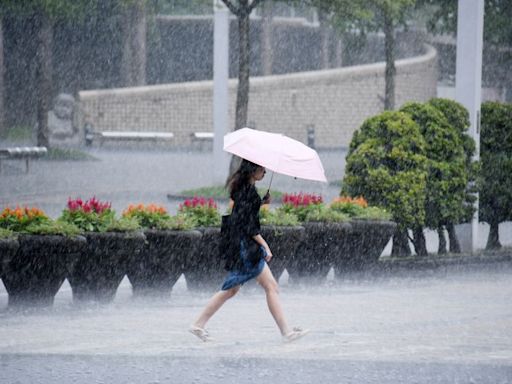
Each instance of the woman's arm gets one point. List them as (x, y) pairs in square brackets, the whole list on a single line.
[(261, 241)]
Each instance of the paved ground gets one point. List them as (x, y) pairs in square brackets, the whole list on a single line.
[(451, 326)]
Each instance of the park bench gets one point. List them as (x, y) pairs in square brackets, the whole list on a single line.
[(103, 136), (24, 153), (202, 138)]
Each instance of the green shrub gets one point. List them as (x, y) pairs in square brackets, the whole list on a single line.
[(387, 164), (277, 217), (6, 233), (496, 161), (447, 177), (51, 227)]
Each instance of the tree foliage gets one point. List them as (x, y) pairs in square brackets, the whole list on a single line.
[(497, 16), (496, 161), (447, 173), (387, 165)]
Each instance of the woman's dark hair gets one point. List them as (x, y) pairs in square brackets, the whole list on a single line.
[(242, 176)]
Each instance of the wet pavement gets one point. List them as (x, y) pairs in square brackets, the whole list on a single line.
[(450, 326)]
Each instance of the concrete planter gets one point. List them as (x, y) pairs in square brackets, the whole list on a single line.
[(283, 241), (204, 270), (155, 270), (35, 273), (8, 248), (103, 264), (363, 245), (315, 254)]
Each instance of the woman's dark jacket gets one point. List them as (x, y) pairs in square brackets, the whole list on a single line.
[(244, 224)]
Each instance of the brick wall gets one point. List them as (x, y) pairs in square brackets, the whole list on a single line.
[(335, 102)]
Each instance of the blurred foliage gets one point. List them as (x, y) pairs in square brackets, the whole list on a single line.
[(387, 165), (496, 162), (497, 16)]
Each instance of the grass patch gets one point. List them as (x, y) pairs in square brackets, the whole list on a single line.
[(219, 192), (19, 133), (68, 154)]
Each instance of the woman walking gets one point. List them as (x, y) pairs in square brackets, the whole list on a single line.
[(248, 257)]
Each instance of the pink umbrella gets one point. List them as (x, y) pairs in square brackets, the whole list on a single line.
[(276, 152)]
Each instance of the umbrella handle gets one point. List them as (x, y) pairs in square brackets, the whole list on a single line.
[(271, 178)]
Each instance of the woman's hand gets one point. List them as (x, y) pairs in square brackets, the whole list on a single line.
[(266, 199), (269, 254)]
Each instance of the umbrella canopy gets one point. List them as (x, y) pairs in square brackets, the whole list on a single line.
[(276, 152)]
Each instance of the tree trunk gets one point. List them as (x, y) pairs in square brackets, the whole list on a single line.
[(493, 241), (44, 75), (133, 62), (3, 128), (266, 39), (420, 244), (242, 95), (442, 241), (453, 238), (139, 43), (324, 38), (389, 93), (400, 244), (339, 53)]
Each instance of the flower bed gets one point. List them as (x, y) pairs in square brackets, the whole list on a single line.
[(46, 251), (111, 243), (204, 269)]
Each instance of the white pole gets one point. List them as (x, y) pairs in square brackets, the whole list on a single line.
[(468, 81), (220, 89)]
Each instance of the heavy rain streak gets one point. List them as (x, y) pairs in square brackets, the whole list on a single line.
[(278, 191)]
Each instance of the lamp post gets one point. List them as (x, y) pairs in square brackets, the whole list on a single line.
[(220, 89), (468, 80)]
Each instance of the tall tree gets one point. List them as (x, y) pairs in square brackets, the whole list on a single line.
[(3, 128), (242, 10), (44, 13), (133, 63), (372, 15)]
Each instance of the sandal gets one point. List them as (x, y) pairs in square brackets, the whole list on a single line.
[(201, 333), (295, 334)]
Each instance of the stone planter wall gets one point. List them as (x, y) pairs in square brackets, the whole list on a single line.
[(103, 264), (315, 254), (38, 269), (283, 241), (363, 246), (204, 270), (8, 248), (161, 262), (34, 267)]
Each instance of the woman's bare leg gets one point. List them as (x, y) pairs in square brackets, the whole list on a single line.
[(269, 284), (214, 304)]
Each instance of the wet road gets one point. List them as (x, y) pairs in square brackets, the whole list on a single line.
[(449, 326)]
